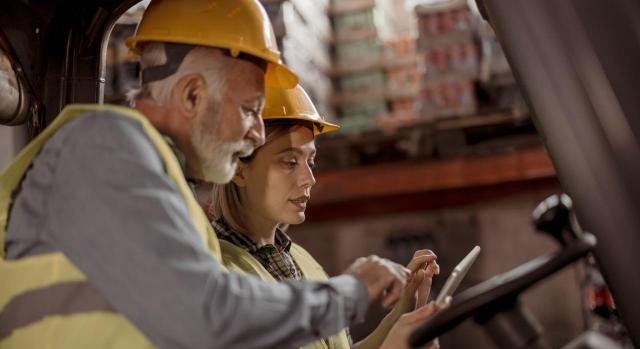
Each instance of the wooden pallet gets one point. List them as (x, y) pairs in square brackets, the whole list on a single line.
[(344, 150), (479, 135), (461, 122)]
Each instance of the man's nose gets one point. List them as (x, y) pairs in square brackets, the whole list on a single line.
[(256, 132)]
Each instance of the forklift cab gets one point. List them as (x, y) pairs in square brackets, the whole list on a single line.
[(577, 63), (57, 51)]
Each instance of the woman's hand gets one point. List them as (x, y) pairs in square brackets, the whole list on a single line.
[(398, 337), (423, 267)]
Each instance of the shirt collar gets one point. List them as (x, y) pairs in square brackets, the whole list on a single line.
[(182, 160), (224, 231)]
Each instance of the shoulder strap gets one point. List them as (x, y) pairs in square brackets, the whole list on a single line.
[(310, 268), (236, 258)]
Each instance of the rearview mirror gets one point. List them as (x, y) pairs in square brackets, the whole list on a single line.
[(14, 97)]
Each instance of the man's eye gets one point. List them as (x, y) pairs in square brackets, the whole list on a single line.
[(251, 112)]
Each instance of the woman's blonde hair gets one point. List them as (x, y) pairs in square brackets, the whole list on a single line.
[(226, 203)]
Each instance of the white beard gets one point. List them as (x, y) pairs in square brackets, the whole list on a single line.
[(220, 166), (218, 160)]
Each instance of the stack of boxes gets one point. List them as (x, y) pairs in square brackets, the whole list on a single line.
[(358, 65), (303, 32), (449, 60), (402, 83)]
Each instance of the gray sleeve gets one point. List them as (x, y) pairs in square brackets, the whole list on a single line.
[(119, 218)]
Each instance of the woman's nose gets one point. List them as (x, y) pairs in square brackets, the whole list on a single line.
[(307, 178)]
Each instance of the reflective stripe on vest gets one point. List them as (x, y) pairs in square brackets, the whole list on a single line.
[(45, 301), (239, 260), (58, 299)]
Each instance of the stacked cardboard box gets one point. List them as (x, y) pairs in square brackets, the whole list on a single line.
[(448, 58), (402, 83), (358, 65)]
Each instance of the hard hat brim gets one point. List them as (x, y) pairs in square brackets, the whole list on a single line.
[(319, 127), (279, 75)]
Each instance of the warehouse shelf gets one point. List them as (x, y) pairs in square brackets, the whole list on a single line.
[(403, 178)]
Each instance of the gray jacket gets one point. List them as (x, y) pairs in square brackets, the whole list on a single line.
[(98, 193)]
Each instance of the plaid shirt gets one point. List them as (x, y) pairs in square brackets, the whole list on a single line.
[(276, 259)]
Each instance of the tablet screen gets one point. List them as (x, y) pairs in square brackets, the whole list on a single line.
[(458, 273)]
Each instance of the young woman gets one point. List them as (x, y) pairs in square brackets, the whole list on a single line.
[(270, 190)]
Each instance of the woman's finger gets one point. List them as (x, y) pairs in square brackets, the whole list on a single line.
[(432, 269), (420, 261), (423, 252), (424, 289), (420, 314)]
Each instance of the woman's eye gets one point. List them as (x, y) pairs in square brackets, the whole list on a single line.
[(290, 163), (312, 165)]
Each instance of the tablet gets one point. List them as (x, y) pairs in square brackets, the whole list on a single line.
[(458, 273)]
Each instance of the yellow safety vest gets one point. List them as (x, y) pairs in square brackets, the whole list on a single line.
[(45, 301), (239, 260)]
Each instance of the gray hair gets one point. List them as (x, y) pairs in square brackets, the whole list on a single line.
[(206, 61)]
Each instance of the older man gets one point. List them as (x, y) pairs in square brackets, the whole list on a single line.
[(103, 244)]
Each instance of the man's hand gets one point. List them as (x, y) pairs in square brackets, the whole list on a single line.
[(382, 278), (398, 337)]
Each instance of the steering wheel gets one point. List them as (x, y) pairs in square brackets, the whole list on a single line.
[(500, 292)]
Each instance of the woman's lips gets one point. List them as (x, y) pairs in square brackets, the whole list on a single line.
[(300, 202)]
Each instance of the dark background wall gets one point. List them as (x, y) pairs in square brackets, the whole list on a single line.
[(501, 226)]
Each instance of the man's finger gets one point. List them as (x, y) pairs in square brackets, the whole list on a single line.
[(401, 269), (393, 294), (397, 279)]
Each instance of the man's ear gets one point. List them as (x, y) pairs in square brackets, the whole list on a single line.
[(240, 177), (192, 94)]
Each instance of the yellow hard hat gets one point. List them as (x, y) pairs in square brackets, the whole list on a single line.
[(294, 104), (240, 26)]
